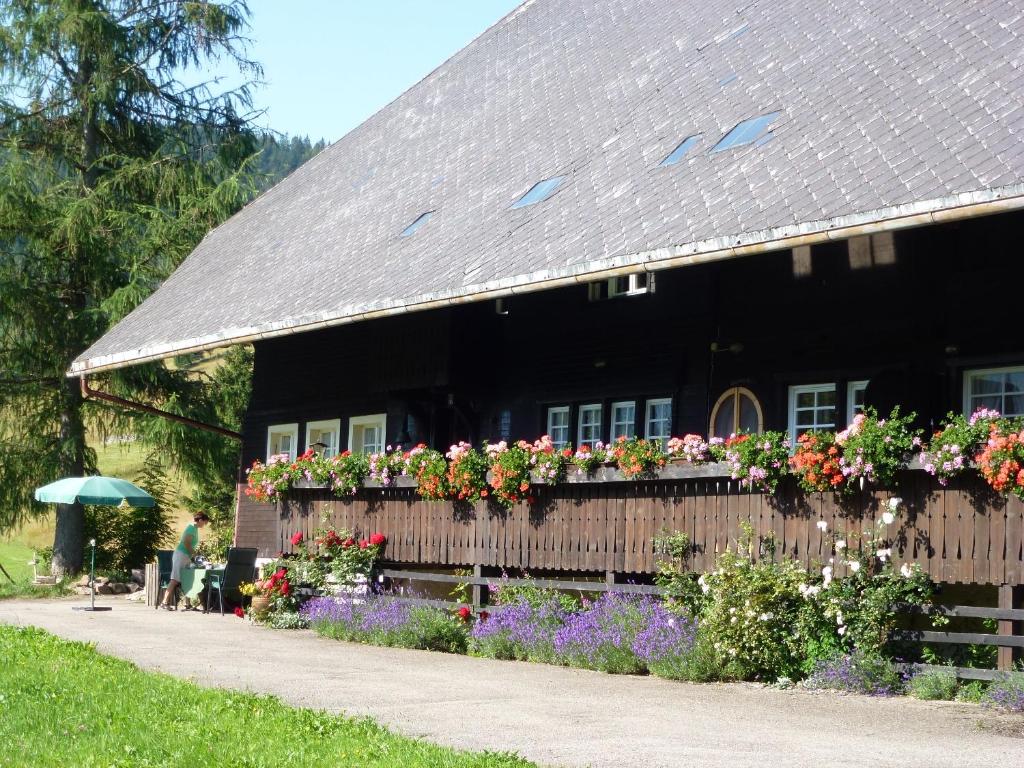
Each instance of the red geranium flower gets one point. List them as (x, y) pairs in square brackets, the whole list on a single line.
[(349, 542), (296, 538), (239, 612), (377, 539), (465, 613), (484, 615), (363, 543)]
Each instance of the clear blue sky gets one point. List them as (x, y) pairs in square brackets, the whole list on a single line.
[(330, 64)]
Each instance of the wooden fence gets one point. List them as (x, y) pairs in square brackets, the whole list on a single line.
[(959, 534)]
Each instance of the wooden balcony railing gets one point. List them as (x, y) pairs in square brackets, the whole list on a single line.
[(959, 534)]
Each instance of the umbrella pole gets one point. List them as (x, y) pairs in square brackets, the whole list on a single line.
[(92, 584), (92, 576)]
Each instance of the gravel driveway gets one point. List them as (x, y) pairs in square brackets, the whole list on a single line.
[(552, 715)]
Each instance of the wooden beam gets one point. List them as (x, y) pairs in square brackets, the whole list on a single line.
[(1009, 599), (961, 638)]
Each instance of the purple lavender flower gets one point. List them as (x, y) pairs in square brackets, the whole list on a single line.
[(857, 672), (1007, 694)]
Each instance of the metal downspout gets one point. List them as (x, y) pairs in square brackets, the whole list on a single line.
[(90, 393)]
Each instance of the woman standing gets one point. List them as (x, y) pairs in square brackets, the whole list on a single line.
[(187, 547)]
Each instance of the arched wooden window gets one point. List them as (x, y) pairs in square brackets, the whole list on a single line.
[(737, 410)]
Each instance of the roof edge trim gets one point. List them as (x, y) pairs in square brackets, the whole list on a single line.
[(936, 211)]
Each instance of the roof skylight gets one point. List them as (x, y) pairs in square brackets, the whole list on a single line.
[(677, 154), (418, 222), (539, 192), (746, 132)]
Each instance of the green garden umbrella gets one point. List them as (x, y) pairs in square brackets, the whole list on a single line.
[(109, 491), (96, 489)]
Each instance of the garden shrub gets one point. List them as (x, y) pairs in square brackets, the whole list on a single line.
[(431, 629), (857, 672), (972, 692), (128, 537), (666, 645), (1006, 694), (503, 593), (933, 685), (384, 620), (856, 611), (751, 612), (602, 635), (522, 630)]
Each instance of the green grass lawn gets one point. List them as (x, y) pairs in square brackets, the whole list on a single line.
[(64, 704), (14, 556)]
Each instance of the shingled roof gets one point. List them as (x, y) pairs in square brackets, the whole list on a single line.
[(891, 114)]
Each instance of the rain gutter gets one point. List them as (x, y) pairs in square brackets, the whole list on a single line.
[(94, 394)]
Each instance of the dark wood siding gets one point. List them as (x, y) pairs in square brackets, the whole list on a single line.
[(947, 303)]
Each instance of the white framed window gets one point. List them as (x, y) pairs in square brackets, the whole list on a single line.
[(659, 419), (1001, 389), (558, 425), (812, 407), (855, 398), (624, 285), (590, 424), (628, 285), (325, 432), (624, 419), (366, 433), (282, 438)]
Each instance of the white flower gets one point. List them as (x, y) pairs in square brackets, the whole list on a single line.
[(906, 570), (766, 616), (842, 630), (854, 566), (827, 573), (822, 526), (839, 619), (894, 503), (888, 518), (703, 584), (884, 554), (841, 544), (732, 620)]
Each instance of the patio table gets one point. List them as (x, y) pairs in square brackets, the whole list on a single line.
[(193, 581)]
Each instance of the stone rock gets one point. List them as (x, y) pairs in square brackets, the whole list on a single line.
[(102, 580), (82, 590), (119, 589), (134, 587), (104, 589), (138, 576), (84, 581)]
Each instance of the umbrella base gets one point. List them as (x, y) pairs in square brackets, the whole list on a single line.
[(91, 608)]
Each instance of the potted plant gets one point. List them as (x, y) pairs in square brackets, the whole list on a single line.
[(259, 602)]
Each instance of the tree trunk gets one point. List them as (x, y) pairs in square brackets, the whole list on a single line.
[(68, 538), (68, 543)]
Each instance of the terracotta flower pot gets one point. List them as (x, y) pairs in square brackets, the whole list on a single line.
[(260, 605)]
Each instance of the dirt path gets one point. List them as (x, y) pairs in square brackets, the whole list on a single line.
[(552, 715)]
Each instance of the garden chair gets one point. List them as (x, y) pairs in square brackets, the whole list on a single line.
[(163, 560), (241, 567)]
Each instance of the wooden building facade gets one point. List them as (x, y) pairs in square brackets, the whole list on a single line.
[(923, 318)]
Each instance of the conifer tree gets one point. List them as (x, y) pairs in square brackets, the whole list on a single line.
[(116, 159)]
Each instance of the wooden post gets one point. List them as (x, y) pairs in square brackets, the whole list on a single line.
[(479, 591), (1009, 597), (609, 578), (152, 579)]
